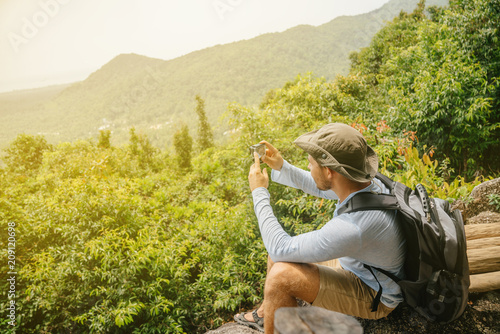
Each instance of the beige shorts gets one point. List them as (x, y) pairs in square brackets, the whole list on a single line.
[(342, 291)]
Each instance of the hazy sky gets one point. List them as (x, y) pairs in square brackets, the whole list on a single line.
[(45, 42)]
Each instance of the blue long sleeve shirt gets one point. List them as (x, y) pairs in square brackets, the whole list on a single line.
[(370, 237)]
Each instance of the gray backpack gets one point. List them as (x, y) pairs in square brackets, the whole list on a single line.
[(436, 282)]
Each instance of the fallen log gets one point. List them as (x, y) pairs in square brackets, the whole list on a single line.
[(484, 260), (479, 231), (314, 320), (482, 243), (485, 282)]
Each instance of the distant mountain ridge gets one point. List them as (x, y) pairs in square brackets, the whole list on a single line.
[(155, 95)]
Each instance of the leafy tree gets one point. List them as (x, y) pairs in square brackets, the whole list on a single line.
[(134, 142), (393, 38), (141, 148), (183, 144), (205, 135), (425, 72), (439, 90), (476, 28), (104, 139), (25, 153)]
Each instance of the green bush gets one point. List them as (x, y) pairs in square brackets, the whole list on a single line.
[(103, 247)]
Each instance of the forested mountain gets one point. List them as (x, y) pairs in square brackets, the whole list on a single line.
[(154, 95)]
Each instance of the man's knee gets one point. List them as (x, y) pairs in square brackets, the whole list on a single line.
[(278, 279), (279, 272), (291, 277)]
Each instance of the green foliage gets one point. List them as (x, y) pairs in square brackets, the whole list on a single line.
[(141, 149), (414, 168), (304, 103), (476, 31), (301, 213), (439, 82), (183, 144), (25, 153), (450, 107), (495, 201), (205, 135), (107, 244), (104, 139), (476, 24), (392, 39)]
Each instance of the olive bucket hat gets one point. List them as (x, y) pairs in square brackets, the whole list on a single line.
[(342, 149)]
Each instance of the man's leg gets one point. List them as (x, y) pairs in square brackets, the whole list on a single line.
[(284, 283), (260, 311), (341, 291)]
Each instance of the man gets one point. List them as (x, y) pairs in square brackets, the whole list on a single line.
[(326, 267)]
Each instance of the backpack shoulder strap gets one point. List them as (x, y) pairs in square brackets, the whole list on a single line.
[(370, 201), (376, 299), (389, 183)]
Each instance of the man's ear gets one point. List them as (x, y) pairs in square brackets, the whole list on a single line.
[(330, 173)]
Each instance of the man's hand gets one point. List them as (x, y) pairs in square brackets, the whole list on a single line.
[(256, 177), (273, 157)]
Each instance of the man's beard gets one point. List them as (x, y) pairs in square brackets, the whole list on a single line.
[(322, 183)]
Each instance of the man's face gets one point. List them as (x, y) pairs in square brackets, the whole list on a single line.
[(319, 174)]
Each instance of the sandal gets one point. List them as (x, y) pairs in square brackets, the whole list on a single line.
[(258, 324)]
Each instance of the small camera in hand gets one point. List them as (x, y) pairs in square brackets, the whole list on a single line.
[(259, 148)]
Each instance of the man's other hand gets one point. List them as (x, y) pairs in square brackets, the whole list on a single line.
[(273, 157), (256, 177)]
